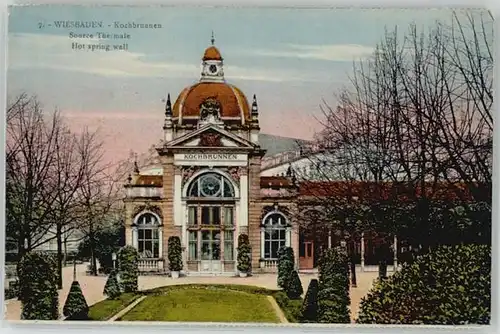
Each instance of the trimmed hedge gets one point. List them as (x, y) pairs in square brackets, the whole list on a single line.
[(294, 287), (292, 308), (286, 265), (333, 293), (174, 254), (244, 254), (128, 259), (76, 307), (450, 285), (310, 305), (37, 274), (112, 289)]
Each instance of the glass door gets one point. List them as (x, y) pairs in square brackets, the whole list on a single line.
[(210, 250)]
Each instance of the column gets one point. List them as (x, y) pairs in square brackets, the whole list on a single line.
[(184, 233), (395, 245), (262, 241), (221, 242), (329, 238), (135, 242), (243, 207), (362, 251), (129, 241), (178, 212), (160, 240), (288, 237), (161, 263)]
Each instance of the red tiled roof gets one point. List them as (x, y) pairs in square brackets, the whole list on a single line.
[(383, 191)]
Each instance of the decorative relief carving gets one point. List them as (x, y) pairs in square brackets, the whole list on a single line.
[(235, 173), (243, 170), (187, 172), (210, 110), (210, 139), (146, 207), (177, 170)]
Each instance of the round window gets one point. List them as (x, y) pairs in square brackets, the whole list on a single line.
[(210, 186)]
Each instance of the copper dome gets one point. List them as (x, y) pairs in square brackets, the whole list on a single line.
[(233, 102), (212, 53)]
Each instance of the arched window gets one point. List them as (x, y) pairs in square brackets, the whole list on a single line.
[(148, 239), (211, 185), (211, 219), (274, 235)]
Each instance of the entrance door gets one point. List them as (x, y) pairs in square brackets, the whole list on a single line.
[(210, 251), (306, 259)]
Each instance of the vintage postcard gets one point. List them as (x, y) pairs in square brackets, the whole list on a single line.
[(249, 165)]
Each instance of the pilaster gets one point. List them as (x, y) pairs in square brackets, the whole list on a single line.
[(254, 209)]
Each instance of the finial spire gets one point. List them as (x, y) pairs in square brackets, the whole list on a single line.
[(136, 167), (255, 109), (212, 40), (168, 106)]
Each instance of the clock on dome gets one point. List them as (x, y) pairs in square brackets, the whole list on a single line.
[(212, 65)]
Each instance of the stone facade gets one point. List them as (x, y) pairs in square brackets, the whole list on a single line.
[(210, 189)]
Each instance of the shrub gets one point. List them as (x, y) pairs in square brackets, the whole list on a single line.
[(450, 285), (75, 307), (244, 254), (294, 287), (107, 240), (128, 258), (12, 291), (382, 270), (310, 306), (286, 265), (37, 274), (112, 288), (291, 308), (174, 253), (333, 291)]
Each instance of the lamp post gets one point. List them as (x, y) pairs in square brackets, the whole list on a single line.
[(113, 257)]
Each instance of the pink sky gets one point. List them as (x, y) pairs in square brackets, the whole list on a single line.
[(126, 132)]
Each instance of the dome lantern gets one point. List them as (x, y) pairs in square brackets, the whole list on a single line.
[(212, 62), (211, 100)]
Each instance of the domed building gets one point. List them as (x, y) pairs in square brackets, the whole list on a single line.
[(213, 177)]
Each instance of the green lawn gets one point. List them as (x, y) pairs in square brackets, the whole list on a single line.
[(109, 307), (204, 305)]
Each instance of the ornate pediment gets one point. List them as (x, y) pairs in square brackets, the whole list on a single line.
[(211, 136)]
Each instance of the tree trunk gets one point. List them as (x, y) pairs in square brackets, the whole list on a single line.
[(59, 256), (382, 269), (353, 264), (65, 260), (354, 282), (93, 260)]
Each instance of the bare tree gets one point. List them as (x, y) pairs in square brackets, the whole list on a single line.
[(30, 146), (418, 111), (416, 115), (101, 192), (49, 168)]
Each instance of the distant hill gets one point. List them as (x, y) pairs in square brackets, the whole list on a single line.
[(277, 144)]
